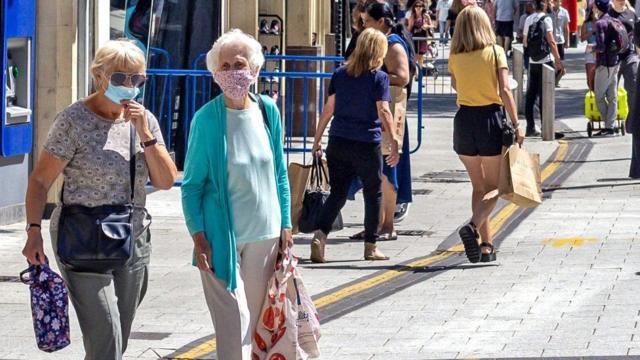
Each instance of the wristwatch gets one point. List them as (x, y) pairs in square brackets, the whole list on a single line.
[(149, 142), (32, 225)]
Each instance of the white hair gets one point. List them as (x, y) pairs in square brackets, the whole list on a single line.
[(255, 58)]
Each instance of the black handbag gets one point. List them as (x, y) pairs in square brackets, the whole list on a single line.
[(508, 132), (314, 199), (102, 238)]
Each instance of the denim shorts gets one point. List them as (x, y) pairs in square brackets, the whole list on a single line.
[(477, 130)]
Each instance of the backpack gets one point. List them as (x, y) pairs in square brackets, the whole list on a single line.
[(537, 44), (616, 38)]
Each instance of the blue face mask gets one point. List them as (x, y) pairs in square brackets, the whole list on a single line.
[(120, 93)]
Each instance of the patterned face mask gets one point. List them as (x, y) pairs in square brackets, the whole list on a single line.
[(234, 83)]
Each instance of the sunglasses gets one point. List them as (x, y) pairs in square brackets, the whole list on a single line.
[(120, 78)]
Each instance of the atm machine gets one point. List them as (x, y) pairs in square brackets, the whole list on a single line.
[(17, 49)]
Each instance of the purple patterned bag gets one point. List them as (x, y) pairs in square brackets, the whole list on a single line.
[(49, 307)]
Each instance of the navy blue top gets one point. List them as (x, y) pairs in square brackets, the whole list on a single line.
[(355, 116)]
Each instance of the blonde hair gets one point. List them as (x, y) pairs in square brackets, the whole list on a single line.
[(472, 32), (254, 57), (117, 55), (369, 54)]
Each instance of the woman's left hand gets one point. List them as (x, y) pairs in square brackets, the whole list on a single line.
[(137, 114), (286, 239)]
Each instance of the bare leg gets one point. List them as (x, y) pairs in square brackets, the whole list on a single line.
[(484, 173), (388, 208)]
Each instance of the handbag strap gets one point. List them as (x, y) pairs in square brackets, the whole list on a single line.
[(132, 166), (132, 159)]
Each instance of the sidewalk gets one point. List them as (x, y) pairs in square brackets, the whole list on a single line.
[(564, 284)]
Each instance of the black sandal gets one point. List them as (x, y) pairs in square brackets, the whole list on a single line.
[(469, 236), (490, 256)]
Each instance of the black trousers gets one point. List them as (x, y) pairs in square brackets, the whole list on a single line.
[(534, 92), (347, 159)]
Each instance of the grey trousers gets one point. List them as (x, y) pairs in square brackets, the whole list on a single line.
[(629, 73), (606, 91), (236, 314), (106, 303)]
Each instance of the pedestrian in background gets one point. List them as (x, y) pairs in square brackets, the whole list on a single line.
[(235, 163), (505, 12), (480, 76), (560, 17), (541, 45), (419, 24), (608, 64), (89, 144), (442, 13), (359, 104), (528, 10), (587, 34), (629, 59), (489, 7)]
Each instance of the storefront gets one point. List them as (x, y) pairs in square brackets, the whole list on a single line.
[(175, 34)]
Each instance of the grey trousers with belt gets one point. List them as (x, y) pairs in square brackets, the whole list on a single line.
[(106, 303)]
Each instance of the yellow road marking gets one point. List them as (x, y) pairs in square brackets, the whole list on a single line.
[(570, 241), (205, 348), (496, 224)]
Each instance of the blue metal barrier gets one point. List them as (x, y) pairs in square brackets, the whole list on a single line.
[(199, 86), (161, 105)]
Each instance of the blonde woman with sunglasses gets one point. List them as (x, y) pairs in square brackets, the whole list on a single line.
[(89, 143)]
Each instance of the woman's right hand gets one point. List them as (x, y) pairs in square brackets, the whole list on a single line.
[(34, 250), (520, 136), (202, 252), (317, 149), (394, 158)]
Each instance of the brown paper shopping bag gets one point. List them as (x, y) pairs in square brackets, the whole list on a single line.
[(398, 106), (298, 180), (520, 180)]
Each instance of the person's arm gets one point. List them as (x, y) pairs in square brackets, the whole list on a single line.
[(195, 179), (551, 40), (599, 47), (162, 170), (325, 118), (397, 65), (525, 33), (45, 173), (453, 82), (385, 115), (509, 103), (410, 22), (566, 34)]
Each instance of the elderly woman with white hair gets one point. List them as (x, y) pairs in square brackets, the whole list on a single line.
[(235, 193), (90, 144)]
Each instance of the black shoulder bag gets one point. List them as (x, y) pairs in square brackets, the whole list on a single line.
[(98, 239), (508, 132)]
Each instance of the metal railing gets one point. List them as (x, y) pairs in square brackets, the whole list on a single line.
[(301, 105), (436, 66)]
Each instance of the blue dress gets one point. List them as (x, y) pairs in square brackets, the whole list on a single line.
[(399, 176)]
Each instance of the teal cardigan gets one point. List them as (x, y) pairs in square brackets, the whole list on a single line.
[(205, 196)]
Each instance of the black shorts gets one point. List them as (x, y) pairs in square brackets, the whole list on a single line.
[(477, 130), (504, 28)]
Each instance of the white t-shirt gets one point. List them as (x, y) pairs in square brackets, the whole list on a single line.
[(505, 10), (548, 26), (443, 6), (560, 21), (252, 184)]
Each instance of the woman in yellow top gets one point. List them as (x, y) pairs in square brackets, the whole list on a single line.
[(479, 74)]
